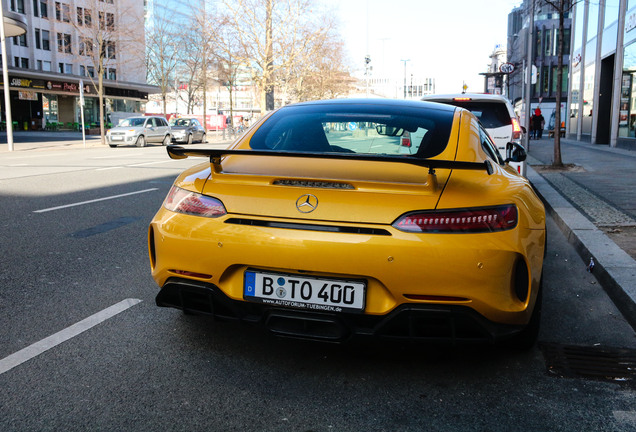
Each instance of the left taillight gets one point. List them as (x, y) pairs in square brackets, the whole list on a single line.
[(192, 203), (474, 220), (516, 129)]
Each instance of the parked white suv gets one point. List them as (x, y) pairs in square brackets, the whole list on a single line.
[(496, 115), (139, 131)]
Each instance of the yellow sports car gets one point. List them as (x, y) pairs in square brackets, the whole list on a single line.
[(341, 218)]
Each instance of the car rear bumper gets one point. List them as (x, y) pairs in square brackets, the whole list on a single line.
[(424, 323)]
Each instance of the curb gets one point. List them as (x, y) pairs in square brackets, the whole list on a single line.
[(614, 268)]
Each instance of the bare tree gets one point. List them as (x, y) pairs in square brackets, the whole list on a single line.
[(562, 7), (272, 36), (161, 57), (104, 31)]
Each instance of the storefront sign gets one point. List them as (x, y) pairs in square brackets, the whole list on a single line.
[(27, 95)]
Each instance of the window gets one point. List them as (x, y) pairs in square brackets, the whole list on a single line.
[(112, 74), (86, 46), (66, 68), (21, 62), (17, 6), (44, 9), (20, 40), (38, 64), (106, 21), (38, 43), (36, 4), (84, 17), (62, 12), (46, 66), (46, 42), (64, 43), (108, 49), (547, 35)]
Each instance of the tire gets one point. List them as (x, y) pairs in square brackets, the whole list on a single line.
[(166, 140), (141, 141), (204, 139), (189, 139)]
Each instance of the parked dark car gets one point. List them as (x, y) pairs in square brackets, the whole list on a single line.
[(187, 130)]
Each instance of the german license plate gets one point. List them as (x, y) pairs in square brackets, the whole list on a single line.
[(319, 294)]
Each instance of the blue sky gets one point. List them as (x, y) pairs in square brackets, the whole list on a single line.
[(449, 40)]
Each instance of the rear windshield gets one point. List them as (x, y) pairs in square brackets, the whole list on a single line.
[(134, 121), (356, 128), (490, 114)]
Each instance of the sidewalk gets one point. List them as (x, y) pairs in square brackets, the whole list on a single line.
[(593, 201)]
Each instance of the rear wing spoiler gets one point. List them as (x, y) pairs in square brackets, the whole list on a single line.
[(215, 155)]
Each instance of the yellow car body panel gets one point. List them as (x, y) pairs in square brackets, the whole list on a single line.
[(475, 270)]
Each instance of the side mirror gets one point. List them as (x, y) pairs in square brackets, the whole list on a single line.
[(523, 129), (515, 152)]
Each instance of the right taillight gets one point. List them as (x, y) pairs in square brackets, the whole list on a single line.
[(473, 220), (516, 129), (406, 140), (192, 203)]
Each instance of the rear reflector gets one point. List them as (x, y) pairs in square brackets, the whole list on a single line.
[(476, 220), (191, 274)]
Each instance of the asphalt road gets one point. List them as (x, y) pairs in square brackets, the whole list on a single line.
[(83, 347)]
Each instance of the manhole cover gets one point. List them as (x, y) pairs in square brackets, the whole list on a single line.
[(596, 362)]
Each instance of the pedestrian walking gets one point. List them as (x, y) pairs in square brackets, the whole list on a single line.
[(537, 124)]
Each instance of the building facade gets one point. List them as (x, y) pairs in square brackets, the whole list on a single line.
[(602, 107), (59, 57), (544, 65)]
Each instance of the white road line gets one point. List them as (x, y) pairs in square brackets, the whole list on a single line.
[(109, 168), (150, 163), (52, 341), (93, 201)]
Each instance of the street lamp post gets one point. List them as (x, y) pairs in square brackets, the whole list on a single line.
[(407, 60)]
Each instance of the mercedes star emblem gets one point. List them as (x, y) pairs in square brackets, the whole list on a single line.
[(307, 203)]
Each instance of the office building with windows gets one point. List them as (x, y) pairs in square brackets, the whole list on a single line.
[(61, 50), (602, 106)]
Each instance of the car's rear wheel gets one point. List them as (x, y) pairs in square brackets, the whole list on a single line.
[(189, 138), (141, 141), (166, 140)]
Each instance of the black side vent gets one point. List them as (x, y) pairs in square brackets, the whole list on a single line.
[(601, 363), (309, 227)]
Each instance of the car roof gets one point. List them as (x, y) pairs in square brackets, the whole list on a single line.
[(376, 102)]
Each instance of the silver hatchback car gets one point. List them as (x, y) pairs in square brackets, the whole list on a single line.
[(140, 131)]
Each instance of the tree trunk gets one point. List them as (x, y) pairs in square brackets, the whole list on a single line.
[(559, 88)]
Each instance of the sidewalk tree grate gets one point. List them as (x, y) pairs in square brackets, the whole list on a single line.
[(616, 365)]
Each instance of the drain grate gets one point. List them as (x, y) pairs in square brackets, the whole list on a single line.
[(596, 362)]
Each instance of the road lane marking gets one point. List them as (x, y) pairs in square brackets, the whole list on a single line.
[(150, 163), (94, 200), (109, 168), (52, 341)]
